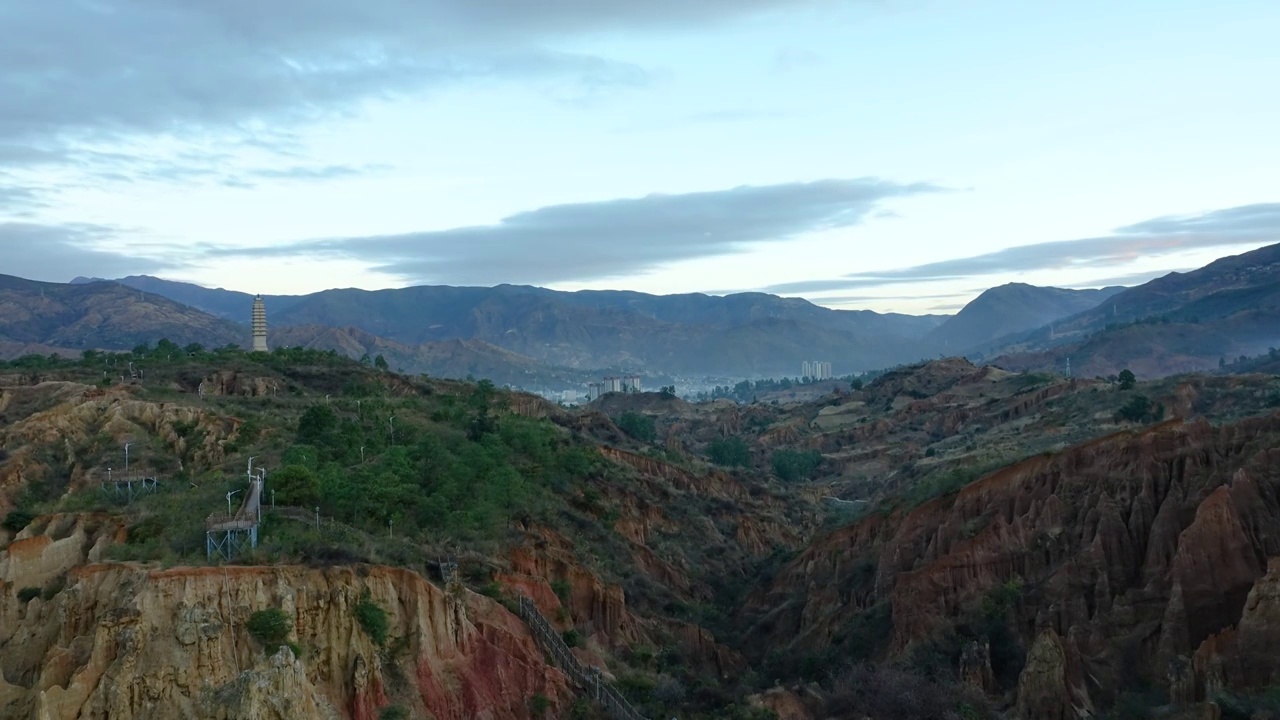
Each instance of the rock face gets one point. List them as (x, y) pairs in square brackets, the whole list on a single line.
[(122, 641), (1132, 554), (61, 416)]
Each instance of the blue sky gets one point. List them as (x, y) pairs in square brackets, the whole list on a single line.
[(886, 154)]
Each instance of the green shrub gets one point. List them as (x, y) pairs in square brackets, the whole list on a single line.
[(270, 627), (796, 465), (27, 594), (562, 589), (372, 618), (18, 519), (393, 712), (731, 451), (640, 427), (571, 637), (539, 705)]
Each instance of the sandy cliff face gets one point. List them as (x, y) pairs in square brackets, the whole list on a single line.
[(125, 641), (64, 418), (1133, 553)]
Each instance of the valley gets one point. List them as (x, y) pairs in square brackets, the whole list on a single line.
[(991, 543)]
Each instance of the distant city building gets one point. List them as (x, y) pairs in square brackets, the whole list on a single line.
[(816, 370), (594, 390), (613, 384), (259, 325), (631, 383)]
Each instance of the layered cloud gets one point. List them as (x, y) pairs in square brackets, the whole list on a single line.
[(96, 69), (586, 241), (1244, 225), (56, 253)]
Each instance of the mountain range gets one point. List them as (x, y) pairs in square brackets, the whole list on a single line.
[(534, 337), (1182, 322), (693, 334)]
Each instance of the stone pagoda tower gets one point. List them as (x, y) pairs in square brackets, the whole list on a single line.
[(259, 325)]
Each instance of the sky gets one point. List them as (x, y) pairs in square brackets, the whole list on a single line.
[(892, 155)]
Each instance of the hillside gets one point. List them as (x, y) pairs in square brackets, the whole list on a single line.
[(1182, 322), (716, 560), (1010, 309), (628, 555), (456, 359), (741, 334), (104, 315)]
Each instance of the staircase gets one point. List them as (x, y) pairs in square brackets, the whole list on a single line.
[(586, 678)]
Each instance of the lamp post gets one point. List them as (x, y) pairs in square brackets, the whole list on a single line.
[(233, 492), (126, 457)]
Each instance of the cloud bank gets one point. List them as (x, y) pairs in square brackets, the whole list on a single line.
[(587, 241), (57, 253), (1244, 225)]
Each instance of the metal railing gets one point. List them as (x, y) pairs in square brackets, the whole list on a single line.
[(585, 677)]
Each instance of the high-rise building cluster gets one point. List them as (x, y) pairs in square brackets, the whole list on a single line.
[(816, 370)]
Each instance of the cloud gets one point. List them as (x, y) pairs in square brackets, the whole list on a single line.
[(1249, 224), (17, 198), (1128, 279), (790, 59), (94, 70), (57, 253), (612, 238)]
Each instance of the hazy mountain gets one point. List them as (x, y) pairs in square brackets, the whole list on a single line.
[(738, 334), (1177, 323), (102, 315), (227, 304), (443, 359), (1010, 309)]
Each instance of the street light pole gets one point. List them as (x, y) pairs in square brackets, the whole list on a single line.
[(126, 457), (233, 492)]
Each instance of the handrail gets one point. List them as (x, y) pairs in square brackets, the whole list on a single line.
[(587, 678)]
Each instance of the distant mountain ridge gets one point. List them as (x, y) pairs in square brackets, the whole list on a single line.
[(98, 315), (1181, 322), (446, 358), (742, 334), (1010, 309)]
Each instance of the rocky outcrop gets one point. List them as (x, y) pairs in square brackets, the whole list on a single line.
[(230, 382), (1051, 686), (1132, 551), (70, 421), (975, 667), (130, 642)]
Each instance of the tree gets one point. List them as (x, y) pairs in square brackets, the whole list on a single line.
[(295, 485), (638, 426), (732, 451), (315, 425), (1222, 363), (668, 390), (380, 362), (1127, 379), (270, 627), (856, 383), (795, 465), (1140, 409)]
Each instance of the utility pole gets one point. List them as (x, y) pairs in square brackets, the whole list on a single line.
[(126, 457)]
